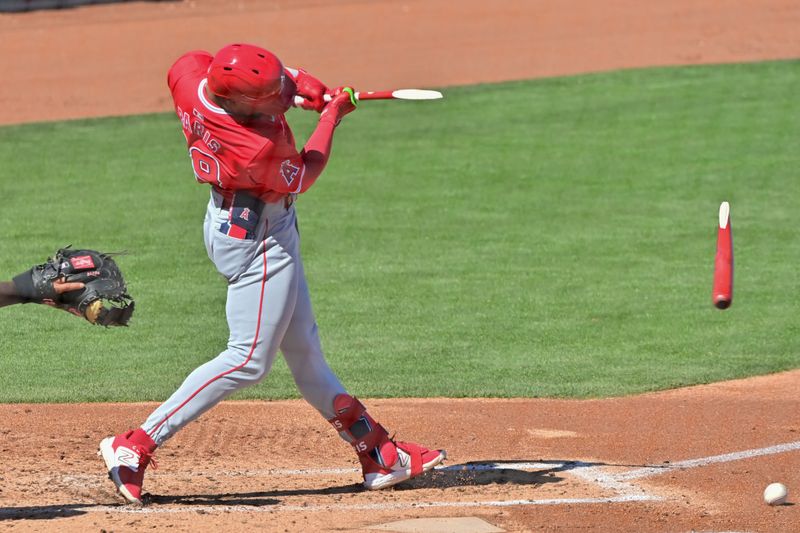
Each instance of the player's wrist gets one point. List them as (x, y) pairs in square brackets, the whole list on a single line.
[(8, 294), (24, 288)]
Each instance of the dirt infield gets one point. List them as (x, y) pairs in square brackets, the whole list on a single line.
[(694, 459), (520, 465)]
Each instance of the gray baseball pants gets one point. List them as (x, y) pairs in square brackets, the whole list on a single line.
[(268, 308)]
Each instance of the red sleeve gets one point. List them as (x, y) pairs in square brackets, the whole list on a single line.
[(188, 63), (317, 151)]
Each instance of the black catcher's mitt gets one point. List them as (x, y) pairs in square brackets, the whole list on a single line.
[(102, 279)]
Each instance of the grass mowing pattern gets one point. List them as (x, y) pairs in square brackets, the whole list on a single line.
[(539, 238)]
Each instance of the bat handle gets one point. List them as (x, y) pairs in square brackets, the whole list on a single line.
[(299, 99)]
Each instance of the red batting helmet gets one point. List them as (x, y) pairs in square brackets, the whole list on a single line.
[(251, 76)]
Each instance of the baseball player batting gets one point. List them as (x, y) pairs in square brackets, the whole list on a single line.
[(231, 107)]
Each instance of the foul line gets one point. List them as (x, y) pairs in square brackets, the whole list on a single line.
[(593, 473), (694, 463)]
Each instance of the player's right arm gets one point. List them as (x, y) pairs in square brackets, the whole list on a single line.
[(309, 87), (282, 169)]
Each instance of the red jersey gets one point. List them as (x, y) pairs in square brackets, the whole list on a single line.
[(259, 157)]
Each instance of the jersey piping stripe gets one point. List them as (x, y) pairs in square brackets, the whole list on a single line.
[(201, 94), (239, 367)]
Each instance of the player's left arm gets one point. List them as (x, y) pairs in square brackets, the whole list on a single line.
[(309, 87)]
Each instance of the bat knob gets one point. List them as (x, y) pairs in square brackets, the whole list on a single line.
[(722, 302)]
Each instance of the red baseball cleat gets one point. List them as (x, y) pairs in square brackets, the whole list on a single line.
[(126, 462), (395, 462)]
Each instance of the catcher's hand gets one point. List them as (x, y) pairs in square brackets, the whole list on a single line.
[(80, 282), (61, 286)]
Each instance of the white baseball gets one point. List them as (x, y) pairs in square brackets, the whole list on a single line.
[(775, 494)]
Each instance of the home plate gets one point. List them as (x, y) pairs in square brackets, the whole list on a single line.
[(467, 524)]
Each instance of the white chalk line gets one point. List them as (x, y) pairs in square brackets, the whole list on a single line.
[(705, 461), (595, 474), (350, 507)]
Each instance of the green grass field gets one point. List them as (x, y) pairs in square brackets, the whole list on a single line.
[(540, 238)]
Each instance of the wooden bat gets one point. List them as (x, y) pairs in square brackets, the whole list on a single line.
[(399, 94)]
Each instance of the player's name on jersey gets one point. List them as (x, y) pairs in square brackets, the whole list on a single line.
[(197, 127)]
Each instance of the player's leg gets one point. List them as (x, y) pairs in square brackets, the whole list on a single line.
[(261, 298), (302, 350), (258, 309), (384, 462)]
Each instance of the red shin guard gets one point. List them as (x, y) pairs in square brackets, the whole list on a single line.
[(384, 462), (358, 428)]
